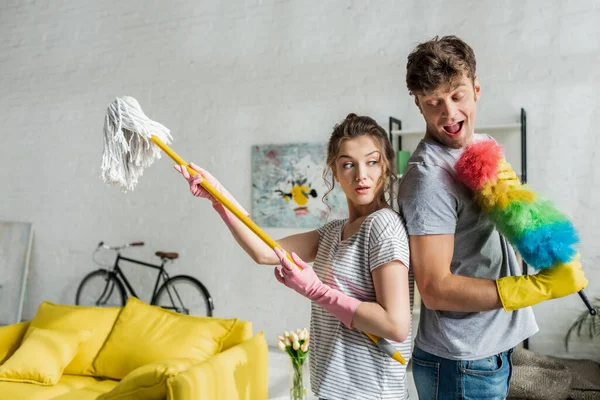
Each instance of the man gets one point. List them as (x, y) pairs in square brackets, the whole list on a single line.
[(476, 303)]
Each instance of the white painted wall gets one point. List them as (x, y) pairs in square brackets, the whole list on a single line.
[(225, 75)]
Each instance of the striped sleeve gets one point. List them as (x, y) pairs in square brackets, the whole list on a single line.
[(388, 240), (323, 229)]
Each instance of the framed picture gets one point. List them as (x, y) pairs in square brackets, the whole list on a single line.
[(288, 187), (15, 249)]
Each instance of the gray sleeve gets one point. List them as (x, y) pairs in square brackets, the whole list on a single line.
[(428, 201)]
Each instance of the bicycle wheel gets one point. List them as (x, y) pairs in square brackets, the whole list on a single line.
[(100, 289), (186, 295)]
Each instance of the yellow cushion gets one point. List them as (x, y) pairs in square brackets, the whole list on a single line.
[(42, 356), (98, 319), (239, 333), (148, 382), (242, 372), (10, 339), (143, 334), (90, 392), (68, 387)]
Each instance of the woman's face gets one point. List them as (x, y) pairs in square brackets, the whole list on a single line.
[(359, 169)]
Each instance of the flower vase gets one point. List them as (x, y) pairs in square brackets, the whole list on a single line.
[(298, 378)]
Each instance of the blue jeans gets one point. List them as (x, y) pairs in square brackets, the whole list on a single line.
[(438, 378)]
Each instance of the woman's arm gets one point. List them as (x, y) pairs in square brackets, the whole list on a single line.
[(389, 317), (304, 244)]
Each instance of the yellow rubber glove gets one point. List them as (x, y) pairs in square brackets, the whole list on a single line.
[(550, 283)]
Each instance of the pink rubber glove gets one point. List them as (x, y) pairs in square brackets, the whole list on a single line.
[(308, 284), (198, 191)]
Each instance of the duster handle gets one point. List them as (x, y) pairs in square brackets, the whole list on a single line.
[(586, 301)]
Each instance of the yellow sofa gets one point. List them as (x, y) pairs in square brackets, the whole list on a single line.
[(135, 352)]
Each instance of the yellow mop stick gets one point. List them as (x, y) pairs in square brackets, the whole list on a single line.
[(259, 232)]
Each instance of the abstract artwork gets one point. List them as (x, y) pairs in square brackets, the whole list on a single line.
[(288, 187), (15, 247)]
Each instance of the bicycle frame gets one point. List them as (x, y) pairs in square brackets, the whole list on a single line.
[(116, 270), (165, 284)]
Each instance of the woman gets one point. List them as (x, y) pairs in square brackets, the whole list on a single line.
[(360, 278)]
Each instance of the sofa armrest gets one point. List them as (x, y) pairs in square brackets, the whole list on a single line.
[(240, 372), (10, 339)]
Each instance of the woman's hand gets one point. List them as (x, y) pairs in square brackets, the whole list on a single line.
[(195, 180), (198, 190), (303, 281), (308, 284)]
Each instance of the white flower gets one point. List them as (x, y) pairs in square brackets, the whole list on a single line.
[(296, 340), (293, 337), (281, 345)]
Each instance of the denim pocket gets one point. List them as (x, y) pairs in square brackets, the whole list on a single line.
[(484, 367), (486, 378), (426, 375)]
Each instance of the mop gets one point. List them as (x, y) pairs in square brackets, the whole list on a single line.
[(132, 142)]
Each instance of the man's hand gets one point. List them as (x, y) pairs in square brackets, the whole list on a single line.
[(550, 283)]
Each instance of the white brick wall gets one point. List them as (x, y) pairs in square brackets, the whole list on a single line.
[(225, 75)]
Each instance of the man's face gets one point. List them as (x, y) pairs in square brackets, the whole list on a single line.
[(450, 111)]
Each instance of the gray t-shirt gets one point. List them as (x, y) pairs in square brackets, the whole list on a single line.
[(432, 202)]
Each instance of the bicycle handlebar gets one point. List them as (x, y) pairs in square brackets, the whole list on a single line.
[(107, 247)]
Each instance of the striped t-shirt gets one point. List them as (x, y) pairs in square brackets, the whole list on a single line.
[(345, 363)]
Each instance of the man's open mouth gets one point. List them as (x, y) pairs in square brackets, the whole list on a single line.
[(454, 129)]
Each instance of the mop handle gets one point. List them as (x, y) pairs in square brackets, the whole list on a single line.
[(382, 343), (222, 199)]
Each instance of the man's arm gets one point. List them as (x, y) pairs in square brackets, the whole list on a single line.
[(431, 256)]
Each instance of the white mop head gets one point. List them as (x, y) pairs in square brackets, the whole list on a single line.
[(127, 146)]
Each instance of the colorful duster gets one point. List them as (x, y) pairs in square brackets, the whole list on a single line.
[(540, 232)]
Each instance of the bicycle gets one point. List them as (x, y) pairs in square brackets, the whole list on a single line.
[(109, 287)]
